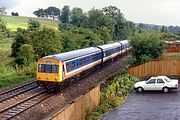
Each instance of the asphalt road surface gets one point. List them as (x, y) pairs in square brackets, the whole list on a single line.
[(148, 106)]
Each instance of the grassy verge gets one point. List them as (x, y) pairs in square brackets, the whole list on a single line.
[(8, 75), (113, 95)]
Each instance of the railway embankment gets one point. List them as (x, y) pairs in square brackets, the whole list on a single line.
[(68, 95)]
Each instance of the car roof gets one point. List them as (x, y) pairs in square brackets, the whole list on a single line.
[(158, 77)]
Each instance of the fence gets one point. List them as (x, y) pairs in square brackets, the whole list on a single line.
[(155, 68), (78, 109), (173, 46)]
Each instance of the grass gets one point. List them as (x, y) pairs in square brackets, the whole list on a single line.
[(8, 74), (13, 22), (173, 55)]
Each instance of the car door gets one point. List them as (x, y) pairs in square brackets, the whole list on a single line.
[(150, 85), (160, 84)]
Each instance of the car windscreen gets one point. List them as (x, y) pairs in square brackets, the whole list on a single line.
[(167, 79)]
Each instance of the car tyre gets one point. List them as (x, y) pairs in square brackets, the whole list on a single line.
[(139, 90), (165, 89)]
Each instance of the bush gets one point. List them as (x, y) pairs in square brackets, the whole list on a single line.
[(146, 46), (113, 95)]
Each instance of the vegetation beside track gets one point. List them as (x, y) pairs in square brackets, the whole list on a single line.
[(113, 95), (9, 76)]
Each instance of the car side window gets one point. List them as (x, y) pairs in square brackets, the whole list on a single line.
[(152, 81), (160, 81)]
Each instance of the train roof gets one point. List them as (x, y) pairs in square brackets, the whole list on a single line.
[(74, 54), (124, 41), (82, 52), (116, 44), (108, 46)]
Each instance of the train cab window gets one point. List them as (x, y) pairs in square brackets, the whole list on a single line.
[(48, 68), (55, 68), (41, 68)]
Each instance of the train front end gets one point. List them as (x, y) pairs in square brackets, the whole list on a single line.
[(49, 72)]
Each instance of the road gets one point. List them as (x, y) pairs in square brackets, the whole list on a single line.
[(148, 106)]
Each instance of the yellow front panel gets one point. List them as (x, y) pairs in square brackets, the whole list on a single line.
[(49, 77)]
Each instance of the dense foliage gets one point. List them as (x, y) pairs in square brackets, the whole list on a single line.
[(113, 95), (146, 46), (50, 12), (39, 42), (108, 19), (4, 32)]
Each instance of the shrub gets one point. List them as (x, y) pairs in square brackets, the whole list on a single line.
[(113, 95)]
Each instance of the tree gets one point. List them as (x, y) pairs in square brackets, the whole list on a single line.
[(39, 13), (20, 39), (65, 14), (14, 14), (146, 46), (53, 12), (97, 19), (164, 29), (104, 34), (120, 27), (2, 11), (45, 41), (33, 24), (77, 17), (26, 55), (69, 42)]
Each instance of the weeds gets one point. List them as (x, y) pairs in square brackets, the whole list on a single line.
[(113, 95)]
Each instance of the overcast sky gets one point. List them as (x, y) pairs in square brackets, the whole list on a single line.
[(161, 12)]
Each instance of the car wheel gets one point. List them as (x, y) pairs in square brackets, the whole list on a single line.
[(165, 90), (140, 89)]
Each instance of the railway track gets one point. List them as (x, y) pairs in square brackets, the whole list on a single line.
[(18, 99), (16, 108), (17, 90), (14, 102)]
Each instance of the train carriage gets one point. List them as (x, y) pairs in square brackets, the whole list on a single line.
[(54, 69)]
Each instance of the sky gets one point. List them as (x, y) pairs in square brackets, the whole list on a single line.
[(159, 12)]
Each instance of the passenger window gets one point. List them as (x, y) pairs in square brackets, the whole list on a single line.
[(73, 64), (84, 60), (80, 61), (152, 81), (68, 67), (160, 81), (77, 63)]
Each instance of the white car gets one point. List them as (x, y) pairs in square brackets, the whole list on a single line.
[(157, 83)]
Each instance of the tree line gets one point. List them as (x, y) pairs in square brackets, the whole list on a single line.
[(50, 12), (78, 29)]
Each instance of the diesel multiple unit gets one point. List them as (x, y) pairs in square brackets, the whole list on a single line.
[(54, 69)]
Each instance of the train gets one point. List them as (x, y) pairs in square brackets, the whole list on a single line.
[(54, 69)]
